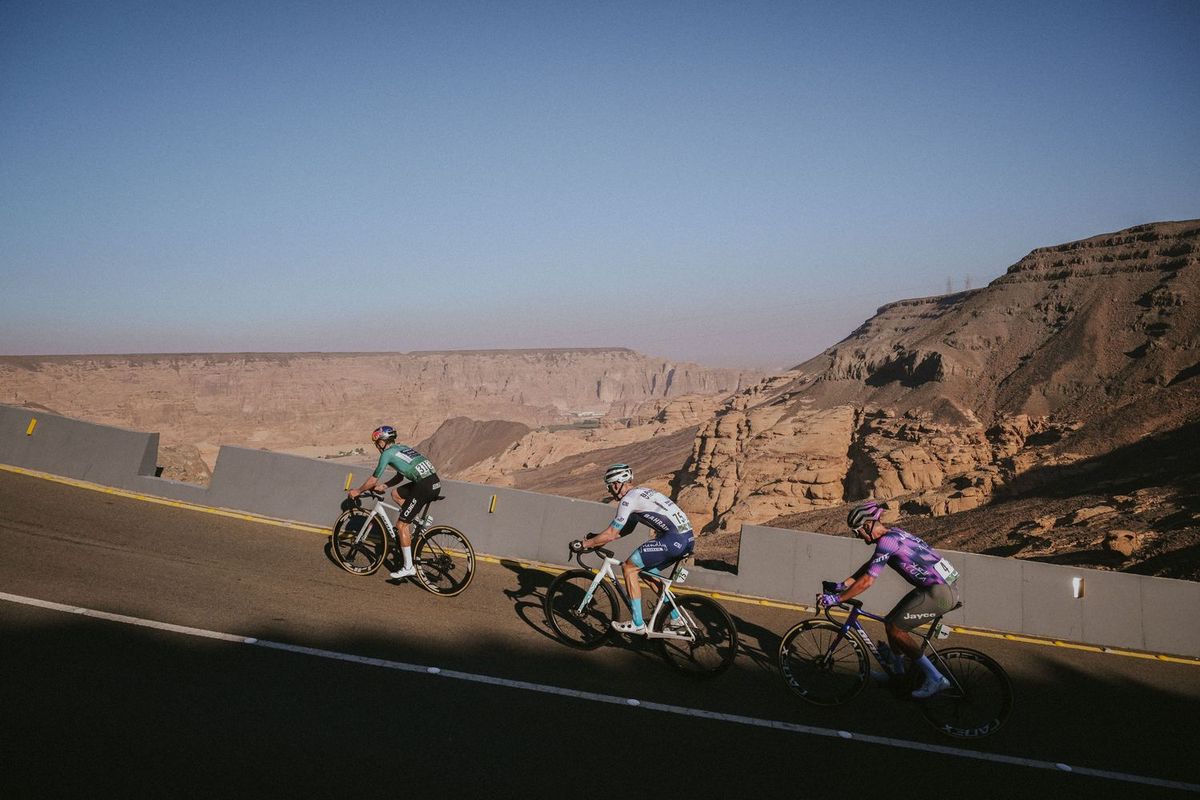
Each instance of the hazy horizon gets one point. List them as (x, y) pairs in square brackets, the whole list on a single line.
[(731, 185)]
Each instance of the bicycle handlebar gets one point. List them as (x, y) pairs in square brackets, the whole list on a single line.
[(853, 603), (577, 552)]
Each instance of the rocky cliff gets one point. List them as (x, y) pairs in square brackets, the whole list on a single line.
[(937, 404), (323, 404)]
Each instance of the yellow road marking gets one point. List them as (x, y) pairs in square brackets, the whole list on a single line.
[(555, 569)]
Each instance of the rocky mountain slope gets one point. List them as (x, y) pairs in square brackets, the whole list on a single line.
[(325, 404), (941, 405)]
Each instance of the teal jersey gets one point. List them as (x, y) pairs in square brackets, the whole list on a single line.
[(406, 461)]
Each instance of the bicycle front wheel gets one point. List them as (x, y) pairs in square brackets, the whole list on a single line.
[(821, 665), (580, 621), (979, 700), (445, 560), (711, 643), (358, 542)]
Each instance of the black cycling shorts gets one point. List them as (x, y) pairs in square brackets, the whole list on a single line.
[(920, 606), (417, 496)]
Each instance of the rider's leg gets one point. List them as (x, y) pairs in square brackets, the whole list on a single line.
[(404, 531), (917, 608), (660, 586), (631, 569)]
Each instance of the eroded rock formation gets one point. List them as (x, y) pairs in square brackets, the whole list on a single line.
[(937, 404)]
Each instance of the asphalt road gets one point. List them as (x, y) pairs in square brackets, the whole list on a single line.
[(97, 705)]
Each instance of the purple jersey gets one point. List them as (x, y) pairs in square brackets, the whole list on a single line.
[(916, 561)]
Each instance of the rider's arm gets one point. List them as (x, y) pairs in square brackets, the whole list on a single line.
[(605, 536), (856, 585), (858, 573), (370, 483), (375, 479), (865, 575)]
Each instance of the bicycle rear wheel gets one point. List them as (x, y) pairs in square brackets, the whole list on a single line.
[(715, 641), (358, 542), (820, 665), (979, 701), (445, 560), (583, 625)]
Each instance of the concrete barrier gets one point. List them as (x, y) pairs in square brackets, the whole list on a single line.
[(63, 446), (1115, 610)]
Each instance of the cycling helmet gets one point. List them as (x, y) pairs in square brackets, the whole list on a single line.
[(385, 433), (618, 473), (863, 513)]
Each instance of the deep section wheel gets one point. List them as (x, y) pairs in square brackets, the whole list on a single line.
[(579, 623), (707, 640), (358, 542), (445, 560), (978, 702), (817, 673)]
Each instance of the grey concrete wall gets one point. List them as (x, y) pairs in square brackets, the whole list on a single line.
[(1117, 610), (63, 446)]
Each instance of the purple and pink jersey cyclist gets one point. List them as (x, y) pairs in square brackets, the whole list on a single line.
[(932, 577)]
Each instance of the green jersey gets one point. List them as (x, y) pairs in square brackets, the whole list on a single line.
[(406, 461)]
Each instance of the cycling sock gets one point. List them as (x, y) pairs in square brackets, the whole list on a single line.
[(675, 614), (636, 607), (928, 668), (407, 551)]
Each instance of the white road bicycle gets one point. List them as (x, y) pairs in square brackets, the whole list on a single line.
[(443, 557), (581, 604)]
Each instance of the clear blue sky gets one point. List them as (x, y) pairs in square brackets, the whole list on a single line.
[(728, 182)]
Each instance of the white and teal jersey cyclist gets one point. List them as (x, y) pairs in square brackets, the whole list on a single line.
[(673, 538)]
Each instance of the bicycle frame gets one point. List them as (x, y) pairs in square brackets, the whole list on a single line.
[(852, 623), (665, 596), (418, 526)]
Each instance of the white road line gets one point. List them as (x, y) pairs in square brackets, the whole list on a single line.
[(596, 697)]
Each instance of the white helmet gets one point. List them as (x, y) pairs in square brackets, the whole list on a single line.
[(618, 473)]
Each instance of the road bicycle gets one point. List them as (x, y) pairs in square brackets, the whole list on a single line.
[(825, 663), (443, 556), (581, 604)]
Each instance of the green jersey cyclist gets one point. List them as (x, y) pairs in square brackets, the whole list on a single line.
[(414, 497), (932, 577), (672, 539)]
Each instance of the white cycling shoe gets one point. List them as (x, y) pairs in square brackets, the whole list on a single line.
[(403, 572), (630, 627), (676, 626), (931, 687)]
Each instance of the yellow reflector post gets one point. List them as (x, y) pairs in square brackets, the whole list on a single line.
[(32, 425), (492, 505), (349, 477)]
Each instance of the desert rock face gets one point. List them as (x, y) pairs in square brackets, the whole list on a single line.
[(557, 459), (322, 404), (940, 404)]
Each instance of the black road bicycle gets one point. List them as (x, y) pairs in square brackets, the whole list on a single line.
[(825, 662)]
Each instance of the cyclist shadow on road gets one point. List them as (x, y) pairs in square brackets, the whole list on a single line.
[(757, 643), (528, 596), (390, 563)]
